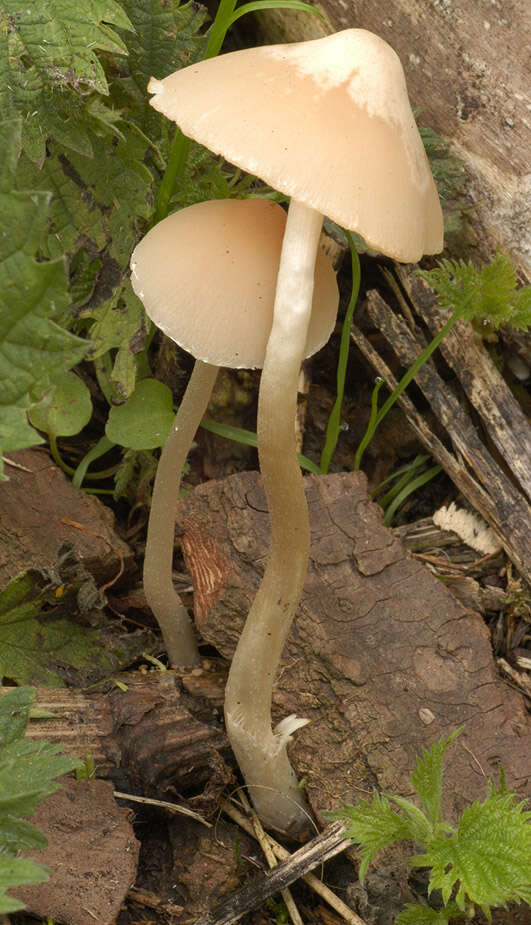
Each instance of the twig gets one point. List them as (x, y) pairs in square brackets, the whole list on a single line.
[(172, 807), (269, 855), (311, 880), (326, 845)]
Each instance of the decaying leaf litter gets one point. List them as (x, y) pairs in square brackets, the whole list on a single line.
[(96, 262)]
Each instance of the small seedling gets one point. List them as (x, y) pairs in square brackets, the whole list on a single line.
[(484, 861)]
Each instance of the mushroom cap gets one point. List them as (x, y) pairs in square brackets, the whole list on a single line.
[(327, 122), (207, 277)]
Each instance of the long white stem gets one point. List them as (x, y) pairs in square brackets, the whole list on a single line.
[(167, 607), (261, 753)]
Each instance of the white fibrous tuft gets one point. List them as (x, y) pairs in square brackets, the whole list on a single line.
[(469, 527), (287, 726)]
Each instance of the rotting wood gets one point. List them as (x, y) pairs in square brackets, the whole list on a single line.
[(487, 391), (471, 467), (320, 849), (143, 738)]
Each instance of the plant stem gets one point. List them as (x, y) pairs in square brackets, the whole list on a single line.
[(261, 754), (402, 385), (161, 596)]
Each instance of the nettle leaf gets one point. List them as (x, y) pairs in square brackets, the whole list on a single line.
[(487, 859), (48, 66), (427, 777), (33, 296), (167, 37), (144, 421), (373, 826), (28, 772), (412, 914)]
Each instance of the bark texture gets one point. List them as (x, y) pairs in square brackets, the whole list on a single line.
[(382, 658)]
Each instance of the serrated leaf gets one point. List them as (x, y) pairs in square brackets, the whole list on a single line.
[(413, 914), (17, 872), (48, 66), (373, 827), (14, 714), (144, 421), (488, 296), (427, 775), (18, 835), (167, 37), (487, 859), (33, 295)]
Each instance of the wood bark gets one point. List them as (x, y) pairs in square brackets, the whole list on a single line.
[(381, 658), (468, 67)]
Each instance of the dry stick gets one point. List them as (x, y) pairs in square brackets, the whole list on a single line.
[(311, 880), (325, 846), (269, 855)]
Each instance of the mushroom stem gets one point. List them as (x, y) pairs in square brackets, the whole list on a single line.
[(260, 752), (167, 607)]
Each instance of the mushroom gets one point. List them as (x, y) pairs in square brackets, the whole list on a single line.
[(327, 122), (206, 276)]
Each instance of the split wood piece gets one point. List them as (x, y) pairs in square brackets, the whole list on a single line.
[(144, 738), (472, 469), (325, 846), (485, 388), (382, 659)]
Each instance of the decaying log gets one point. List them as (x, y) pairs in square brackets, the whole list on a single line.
[(468, 67), (482, 479), (381, 658), (144, 738)]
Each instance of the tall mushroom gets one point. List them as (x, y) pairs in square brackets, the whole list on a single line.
[(327, 122), (207, 276)]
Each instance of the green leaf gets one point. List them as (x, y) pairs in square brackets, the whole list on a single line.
[(17, 872), (144, 421), (373, 827), (166, 38), (487, 859), (65, 409), (49, 66), (427, 775), (412, 914), (33, 298), (28, 772), (38, 643), (487, 296)]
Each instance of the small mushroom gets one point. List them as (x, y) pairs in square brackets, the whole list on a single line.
[(327, 122), (207, 276)]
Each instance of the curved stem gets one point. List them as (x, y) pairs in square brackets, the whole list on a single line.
[(262, 754), (167, 607)]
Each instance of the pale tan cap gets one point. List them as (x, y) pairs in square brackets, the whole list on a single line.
[(327, 122), (207, 277)]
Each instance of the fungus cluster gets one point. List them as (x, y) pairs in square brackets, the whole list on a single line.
[(329, 124)]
